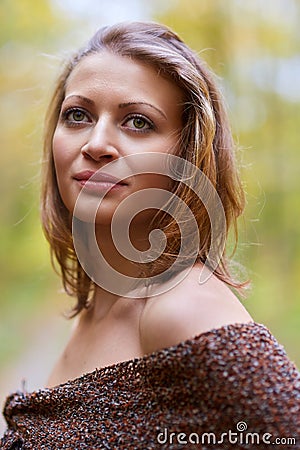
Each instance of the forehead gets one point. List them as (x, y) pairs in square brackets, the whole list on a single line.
[(105, 71)]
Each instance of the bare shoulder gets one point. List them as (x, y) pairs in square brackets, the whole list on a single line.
[(187, 310)]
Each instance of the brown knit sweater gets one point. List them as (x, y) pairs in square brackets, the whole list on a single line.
[(232, 387)]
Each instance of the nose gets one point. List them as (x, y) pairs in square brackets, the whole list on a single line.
[(102, 142)]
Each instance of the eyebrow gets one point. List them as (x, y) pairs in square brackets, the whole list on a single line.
[(125, 105), (81, 97)]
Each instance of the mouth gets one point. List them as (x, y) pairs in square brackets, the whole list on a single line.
[(98, 181)]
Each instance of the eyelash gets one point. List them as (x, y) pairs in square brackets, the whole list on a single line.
[(147, 121), (74, 123)]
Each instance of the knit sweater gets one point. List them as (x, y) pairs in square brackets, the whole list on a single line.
[(231, 387)]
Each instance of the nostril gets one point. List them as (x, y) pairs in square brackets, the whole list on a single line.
[(98, 154)]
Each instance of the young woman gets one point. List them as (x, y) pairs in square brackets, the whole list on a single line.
[(140, 190)]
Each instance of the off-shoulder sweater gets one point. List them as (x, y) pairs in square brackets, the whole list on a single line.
[(231, 387)]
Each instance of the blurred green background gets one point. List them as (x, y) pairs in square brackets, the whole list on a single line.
[(254, 47)]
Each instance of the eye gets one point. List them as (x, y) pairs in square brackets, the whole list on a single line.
[(138, 123), (75, 116)]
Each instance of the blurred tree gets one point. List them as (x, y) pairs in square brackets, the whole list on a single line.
[(28, 21), (28, 29)]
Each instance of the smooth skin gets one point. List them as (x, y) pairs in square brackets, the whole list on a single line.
[(114, 107)]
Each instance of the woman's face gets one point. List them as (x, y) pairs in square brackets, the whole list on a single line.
[(114, 107)]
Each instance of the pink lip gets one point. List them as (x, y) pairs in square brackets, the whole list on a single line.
[(98, 183), (100, 177)]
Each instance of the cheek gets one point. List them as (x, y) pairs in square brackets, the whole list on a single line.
[(168, 144), (62, 162), (158, 181), (60, 154), (151, 180), (65, 153)]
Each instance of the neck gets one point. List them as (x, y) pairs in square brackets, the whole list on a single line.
[(114, 272), (122, 251)]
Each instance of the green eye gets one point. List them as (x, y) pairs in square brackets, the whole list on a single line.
[(139, 123), (77, 116)]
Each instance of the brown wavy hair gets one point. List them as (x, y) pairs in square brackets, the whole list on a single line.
[(206, 141)]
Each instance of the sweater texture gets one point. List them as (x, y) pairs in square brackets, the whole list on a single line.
[(233, 387)]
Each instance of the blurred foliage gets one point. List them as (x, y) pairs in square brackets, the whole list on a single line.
[(28, 30), (254, 48)]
